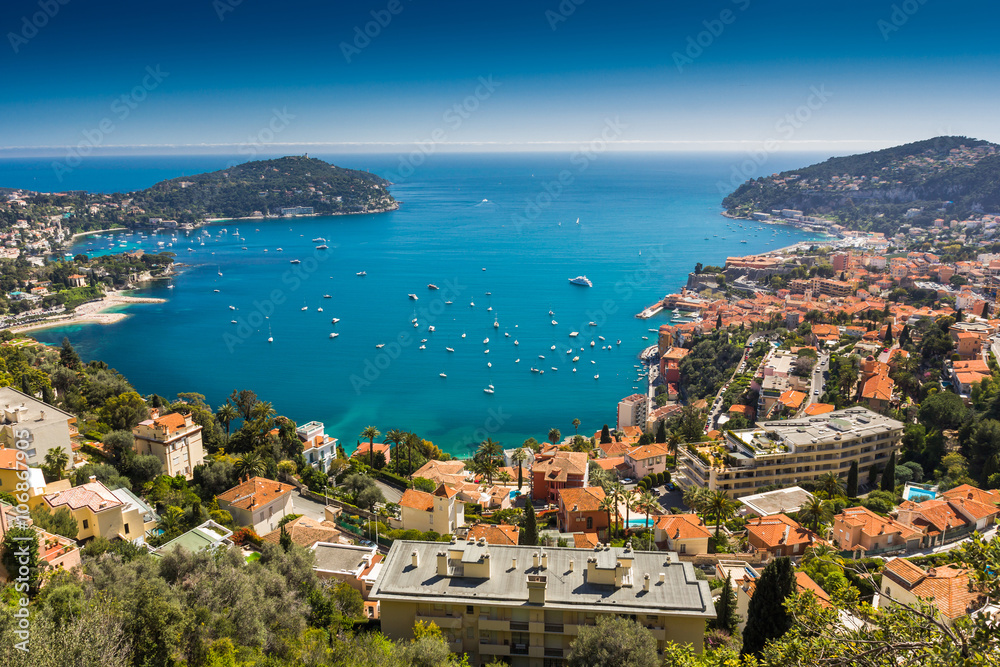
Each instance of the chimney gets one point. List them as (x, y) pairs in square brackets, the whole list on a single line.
[(534, 560), (41, 415), (536, 588), (442, 564), (645, 582), (93, 478), (513, 563), (571, 565), (414, 559), (663, 577), (784, 535), (545, 560)]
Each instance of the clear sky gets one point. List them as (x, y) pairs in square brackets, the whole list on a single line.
[(719, 74)]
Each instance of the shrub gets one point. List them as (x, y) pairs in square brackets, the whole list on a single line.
[(246, 535)]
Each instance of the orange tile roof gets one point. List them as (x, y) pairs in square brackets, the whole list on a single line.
[(610, 463), (805, 583), (306, 532), (793, 399), (8, 460), (615, 448), (563, 464), (255, 493), (778, 530), (682, 526), (649, 451), (585, 540), (819, 408), (938, 514), (873, 524), (972, 493), (417, 500), (500, 534), (878, 388), (445, 491), (947, 587), (580, 499), (172, 422), (93, 495)]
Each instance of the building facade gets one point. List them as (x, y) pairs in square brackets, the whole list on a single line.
[(632, 411), (259, 503), (174, 439), (44, 427), (526, 604)]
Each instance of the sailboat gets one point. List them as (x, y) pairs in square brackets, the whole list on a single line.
[(270, 338), (220, 268)]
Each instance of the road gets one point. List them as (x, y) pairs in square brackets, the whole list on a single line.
[(818, 382), (314, 509)]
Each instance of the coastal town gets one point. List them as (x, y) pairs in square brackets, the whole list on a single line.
[(818, 422)]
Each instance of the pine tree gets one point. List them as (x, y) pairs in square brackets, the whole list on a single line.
[(285, 540), (605, 435), (725, 609), (889, 475), (766, 615), (852, 480), (529, 527), (68, 356)]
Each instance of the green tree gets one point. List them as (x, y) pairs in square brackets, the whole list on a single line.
[(227, 414), (830, 484), (529, 526), (889, 474), (61, 522), (68, 356), (814, 513), (394, 437), (20, 558), (123, 412), (554, 435), (943, 410), (767, 617), (852, 480), (285, 540), (605, 435), (119, 446), (721, 507), (576, 425), (519, 457), (249, 465), (661, 432), (371, 433), (614, 642), (725, 608), (56, 460)]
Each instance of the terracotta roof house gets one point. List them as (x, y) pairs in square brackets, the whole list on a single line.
[(876, 392), (174, 439), (819, 409), (378, 447), (647, 459), (858, 528), (495, 534), (442, 511), (683, 533), (580, 511), (101, 512), (258, 502), (305, 532), (779, 535), (946, 519), (443, 472), (585, 540), (560, 471), (970, 492), (946, 587)]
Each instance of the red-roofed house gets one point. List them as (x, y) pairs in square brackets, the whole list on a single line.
[(579, 511), (378, 448), (819, 409), (858, 528), (946, 587), (647, 460), (100, 512), (258, 502), (779, 535), (501, 534), (441, 511), (946, 519), (563, 470), (877, 392), (683, 533), (174, 439)]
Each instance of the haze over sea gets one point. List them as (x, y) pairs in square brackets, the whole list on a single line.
[(645, 220)]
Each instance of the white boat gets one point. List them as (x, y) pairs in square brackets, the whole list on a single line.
[(517, 361), (581, 280), (516, 343), (574, 334), (554, 323), (305, 308), (496, 324), (232, 307), (463, 335), (327, 296), (553, 347), (576, 359), (551, 313), (412, 296), (294, 261), (596, 377), (541, 356), (334, 335), (569, 351), (574, 370), (431, 328), (489, 365), (450, 349), (318, 239), (319, 310), (334, 320), (448, 303), (432, 286), (422, 347), (486, 341), (442, 375), (602, 337), (215, 291), (489, 309), (472, 304), (619, 342), (591, 343), (534, 370), (232, 321), (415, 325), (359, 273), (379, 346), (593, 324), (488, 390), (486, 351), (506, 335), (270, 337)]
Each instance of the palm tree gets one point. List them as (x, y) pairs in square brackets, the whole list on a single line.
[(56, 460), (504, 477), (719, 506), (695, 498), (519, 457), (608, 505), (488, 467), (831, 485), (673, 442), (487, 454), (647, 503), (814, 514), (823, 552), (554, 435), (617, 491), (412, 440), (396, 437), (227, 414), (576, 425), (170, 521), (371, 433), (249, 465)]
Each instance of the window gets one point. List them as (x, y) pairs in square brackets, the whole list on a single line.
[(468, 609), (590, 522), (126, 529), (86, 524)]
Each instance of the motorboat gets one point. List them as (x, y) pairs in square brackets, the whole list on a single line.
[(413, 297), (581, 280), (334, 335)]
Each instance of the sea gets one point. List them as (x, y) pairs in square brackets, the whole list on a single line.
[(500, 235)]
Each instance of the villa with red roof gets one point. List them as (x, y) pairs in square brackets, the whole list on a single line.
[(560, 471), (858, 528), (779, 535), (580, 511), (174, 439), (947, 588), (683, 533), (441, 511), (101, 512), (258, 502)]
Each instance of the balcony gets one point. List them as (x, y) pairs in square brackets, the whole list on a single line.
[(556, 628), (486, 623), (571, 629), (442, 620), (519, 626), (553, 653), (493, 648), (519, 649)]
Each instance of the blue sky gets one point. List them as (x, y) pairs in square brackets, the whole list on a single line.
[(841, 75)]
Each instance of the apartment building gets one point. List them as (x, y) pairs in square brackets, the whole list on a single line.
[(317, 447), (632, 411), (788, 452), (174, 439), (526, 604), (45, 427)]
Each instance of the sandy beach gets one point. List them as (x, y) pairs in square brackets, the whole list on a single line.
[(90, 313)]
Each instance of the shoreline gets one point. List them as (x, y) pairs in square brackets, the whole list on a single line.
[(92, 312), (208, 221), (97, 231)]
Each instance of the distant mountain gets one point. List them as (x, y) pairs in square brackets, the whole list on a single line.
[(956, 176), (267, 186)]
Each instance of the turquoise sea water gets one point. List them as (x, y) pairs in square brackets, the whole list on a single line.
[(471, 224)]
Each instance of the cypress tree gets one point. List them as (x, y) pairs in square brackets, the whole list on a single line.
[(285, 540), (605, 435), (888, 334), (725, 608), (766, 615), (529, 529), (661, 432), (718, 321), (904, 335), (852, 480), (889, 475)]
